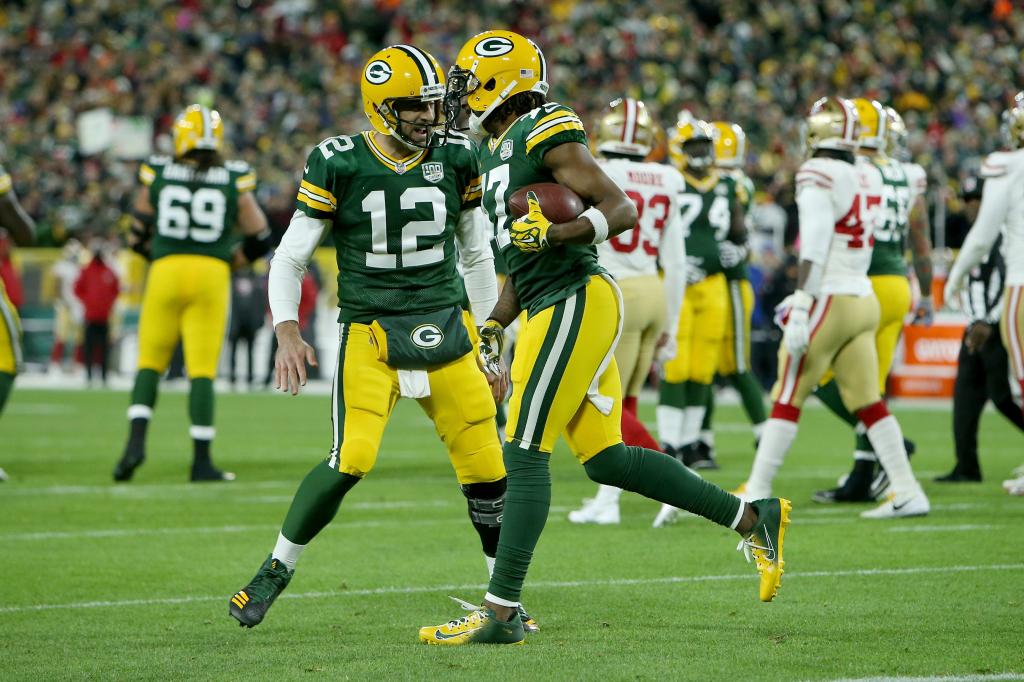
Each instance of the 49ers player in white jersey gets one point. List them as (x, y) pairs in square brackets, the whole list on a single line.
[(833, 315), (1002, 208), (624, 137)]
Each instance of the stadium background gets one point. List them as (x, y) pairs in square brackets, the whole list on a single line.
[(87, 89)]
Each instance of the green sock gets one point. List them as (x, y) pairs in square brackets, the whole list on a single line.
[(662, 478), (6, 384), (316, 502), (751, 395), (200, 402), (829, 394), (527, 500), (673, 395), (144, 390), (709, 412), (697, 395)]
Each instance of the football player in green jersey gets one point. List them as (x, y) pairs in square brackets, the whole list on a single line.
[(905, 223), (22, 229), (564, 377), (734, 356), (186, 210), (399, 201)]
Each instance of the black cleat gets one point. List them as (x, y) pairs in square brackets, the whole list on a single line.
[(208, 472), (250, 604), (698, 456), (131, 460), (843, 493), (957, 476)]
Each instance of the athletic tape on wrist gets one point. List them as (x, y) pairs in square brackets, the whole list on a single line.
[(600, 223)]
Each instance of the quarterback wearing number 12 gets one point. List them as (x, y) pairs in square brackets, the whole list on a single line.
[(564, 377)]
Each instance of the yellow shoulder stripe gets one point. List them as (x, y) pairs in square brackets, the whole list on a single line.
[(534, 140), (313, 203), (146, 174), (246, 182), (318, 193), (553, 116), (539, 130), (5, 183)]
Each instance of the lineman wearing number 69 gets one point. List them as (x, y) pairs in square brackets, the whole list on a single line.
[(185, 214), (397, 201)]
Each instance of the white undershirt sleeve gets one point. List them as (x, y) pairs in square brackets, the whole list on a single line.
[(288, 267), (995, 202), (817, 228), (477, 264), (673, 264)]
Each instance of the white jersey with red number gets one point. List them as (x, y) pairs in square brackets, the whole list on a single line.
[(839, 206), (1002, 208), (654, 188)]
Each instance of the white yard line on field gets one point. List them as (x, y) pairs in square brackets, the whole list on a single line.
[(540, 584), (992, 677)]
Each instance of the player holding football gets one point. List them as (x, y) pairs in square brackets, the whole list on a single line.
[(734, 356), (397, 201), (905, 219), (832, 317), (624, 137), (1002, 208), (185, 214), (564, 374), (23, 230)]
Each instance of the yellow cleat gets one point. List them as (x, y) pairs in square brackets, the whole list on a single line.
[(478, 627), (765, 541)]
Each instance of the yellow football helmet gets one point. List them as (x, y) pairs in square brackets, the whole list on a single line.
[(896, 136), (1013, 123), (872, 123), (626, 127), (730, 144), (197, 127), (397, 73), (832, 123), (490, 68), (692, 144)]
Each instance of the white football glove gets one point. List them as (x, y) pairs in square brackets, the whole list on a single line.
[(797, 334), (731, 254), (951, 292)]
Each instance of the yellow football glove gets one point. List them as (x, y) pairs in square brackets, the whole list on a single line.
[(492, 343), (530, 233)]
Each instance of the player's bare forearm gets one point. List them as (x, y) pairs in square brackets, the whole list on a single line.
[(17, 222), (574, 167), (292, 355), (920, 246), (738, 225), (507, 308)]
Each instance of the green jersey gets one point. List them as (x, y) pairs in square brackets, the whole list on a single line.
[(705, 208), (196, 211), (888, 258), (393, 222), (745, 194), (5, 182), (514, 160)]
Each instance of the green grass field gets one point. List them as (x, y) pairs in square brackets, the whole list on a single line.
[(132, 581)]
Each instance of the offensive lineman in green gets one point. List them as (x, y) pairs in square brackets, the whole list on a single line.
[(397, 200), (564, 377), (185, 212)]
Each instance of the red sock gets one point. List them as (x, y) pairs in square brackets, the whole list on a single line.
[(634, 433), (58, 352), (629, 404)]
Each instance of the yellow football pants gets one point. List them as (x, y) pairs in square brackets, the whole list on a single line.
[(701, 330), (843, 338), (460, 405), (734, 356), (643, 319), (10, 335), (561, 351), (186, 298)]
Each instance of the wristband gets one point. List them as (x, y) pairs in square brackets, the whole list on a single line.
[(600, 223)]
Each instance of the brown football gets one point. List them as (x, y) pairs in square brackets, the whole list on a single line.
[(559, 203)]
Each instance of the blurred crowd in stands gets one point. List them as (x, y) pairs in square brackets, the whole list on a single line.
[(285, 74)]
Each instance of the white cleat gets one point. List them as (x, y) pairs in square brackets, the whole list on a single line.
[(666, 515), (596, 511), (1014, 486), (895, 508), (3, 475)]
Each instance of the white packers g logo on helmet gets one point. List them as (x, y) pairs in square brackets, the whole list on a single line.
[(197, 127), (491, 68), (494, 46), (404, 75), (378, 72), (626, 127)]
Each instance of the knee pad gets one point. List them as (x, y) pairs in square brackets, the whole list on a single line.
[(486, 501)]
